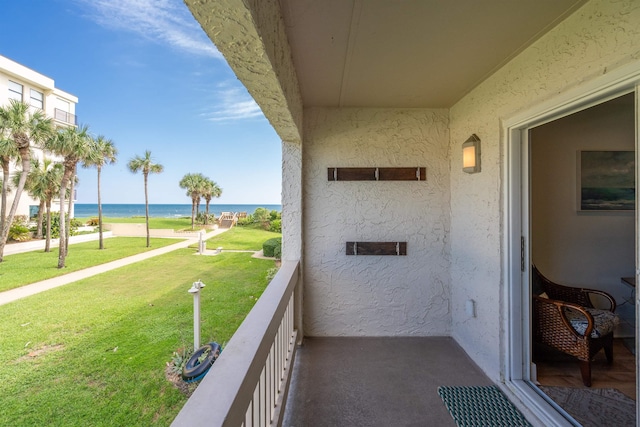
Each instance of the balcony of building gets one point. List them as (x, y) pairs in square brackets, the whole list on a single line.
[(329, 381), (337, 99), (382, 381), (268, 375), (65, 117)]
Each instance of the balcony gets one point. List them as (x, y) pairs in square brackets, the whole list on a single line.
[(386, 381), (325, 381), (65, 117)]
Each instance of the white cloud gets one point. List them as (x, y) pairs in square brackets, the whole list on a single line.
[(170, 22), (166, 21), (234, 103)]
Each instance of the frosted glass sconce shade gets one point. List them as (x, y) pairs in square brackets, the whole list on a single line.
[(471, 154)]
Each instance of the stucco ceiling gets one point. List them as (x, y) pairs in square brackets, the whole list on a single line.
[(408, 53)]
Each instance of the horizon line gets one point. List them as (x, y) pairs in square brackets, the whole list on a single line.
[(108, 203)]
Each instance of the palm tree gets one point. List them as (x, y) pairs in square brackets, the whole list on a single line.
[(195, 184), (211, 190), (22, 127), (43, 183), (7, 153), (105, 153), (146, 165), (33, 188), (36, 191), (51, 181), (73, 145)]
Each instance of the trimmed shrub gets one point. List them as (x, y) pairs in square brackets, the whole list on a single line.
[(19, 230), (269, 247), (277, 252), (275, 215), (211, 218), (271, 273), (55, 227), (261, 216), (245, 221), (93, 222), (75, 224)]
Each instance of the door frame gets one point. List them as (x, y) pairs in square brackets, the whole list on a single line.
[(516, 235)]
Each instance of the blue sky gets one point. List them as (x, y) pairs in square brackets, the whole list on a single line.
[(148, 78)]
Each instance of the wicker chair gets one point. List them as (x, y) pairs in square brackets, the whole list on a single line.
[(565, 319)]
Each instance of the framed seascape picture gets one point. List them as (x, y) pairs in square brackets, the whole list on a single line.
[(606, 181)]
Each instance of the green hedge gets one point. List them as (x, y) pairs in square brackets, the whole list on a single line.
[(276, 226), (269, 247), (55, 226)]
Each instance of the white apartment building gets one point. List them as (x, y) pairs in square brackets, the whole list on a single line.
[(39, 91)]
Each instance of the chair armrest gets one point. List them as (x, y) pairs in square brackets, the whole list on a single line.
[(553, 319), (605, 295)]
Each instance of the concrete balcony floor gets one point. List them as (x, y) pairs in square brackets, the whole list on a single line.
[(376, 381)]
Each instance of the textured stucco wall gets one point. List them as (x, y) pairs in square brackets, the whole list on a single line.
[(376, 295), (597, 38), (291, 201)]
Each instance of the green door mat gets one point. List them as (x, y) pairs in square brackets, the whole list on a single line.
[(481, 406)]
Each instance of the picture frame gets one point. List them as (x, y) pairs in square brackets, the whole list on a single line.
[(606, 181)]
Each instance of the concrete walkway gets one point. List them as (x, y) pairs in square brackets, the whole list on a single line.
[(34, 288)]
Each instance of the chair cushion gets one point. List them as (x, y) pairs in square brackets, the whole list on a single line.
[(604, 321)]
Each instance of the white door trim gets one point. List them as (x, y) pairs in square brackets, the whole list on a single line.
[(516, 336), (637, 302)]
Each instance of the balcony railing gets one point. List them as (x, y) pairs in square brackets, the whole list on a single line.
[(247, 385), (63, 116)]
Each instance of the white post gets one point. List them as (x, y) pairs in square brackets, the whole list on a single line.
[(201, 243), (195, 290)]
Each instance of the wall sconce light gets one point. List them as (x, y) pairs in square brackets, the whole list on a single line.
[(471, 154)]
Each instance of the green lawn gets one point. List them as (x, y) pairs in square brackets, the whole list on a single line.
[(93, 353), (20, 269), (241, 238), (168, 223)]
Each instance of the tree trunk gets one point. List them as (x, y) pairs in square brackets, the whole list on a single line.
[(68, 224), (206, 216), (101, 244), (146, 209), (193, 213), (5, 190), (40, 216), (25, 156), (62, 254), (47, 245)]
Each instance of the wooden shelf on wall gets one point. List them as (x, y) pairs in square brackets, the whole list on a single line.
[(377, 174), (376, 248)]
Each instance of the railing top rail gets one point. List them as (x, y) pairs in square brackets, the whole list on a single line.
[(64, 116), (222, 397)]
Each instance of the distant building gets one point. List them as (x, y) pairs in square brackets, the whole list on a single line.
[(39, 91)]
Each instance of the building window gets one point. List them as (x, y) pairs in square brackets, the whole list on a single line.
[(37, 99), (63, 105), (15, 91)]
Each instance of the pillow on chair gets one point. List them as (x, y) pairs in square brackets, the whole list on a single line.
[(604, 321)]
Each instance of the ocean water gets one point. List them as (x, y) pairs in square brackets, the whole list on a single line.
[(87, 210)]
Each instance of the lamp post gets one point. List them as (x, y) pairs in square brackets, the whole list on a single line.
[(201, 243), (195, 290)]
